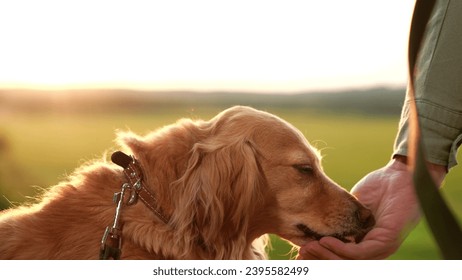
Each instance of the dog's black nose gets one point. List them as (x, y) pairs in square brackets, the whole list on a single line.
[(365, 218)]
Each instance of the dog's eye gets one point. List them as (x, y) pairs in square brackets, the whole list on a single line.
[(304, 169)]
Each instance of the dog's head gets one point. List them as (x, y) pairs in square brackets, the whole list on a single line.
[(307, 204), (245, 173), (299, 201)]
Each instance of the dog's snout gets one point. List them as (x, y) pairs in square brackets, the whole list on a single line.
[(365, 217)]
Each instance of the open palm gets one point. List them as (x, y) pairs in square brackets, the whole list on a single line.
[(389, 193)]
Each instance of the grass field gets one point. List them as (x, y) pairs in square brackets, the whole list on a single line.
[(39, 149)]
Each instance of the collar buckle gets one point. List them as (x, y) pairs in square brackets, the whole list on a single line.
[(111, 243)]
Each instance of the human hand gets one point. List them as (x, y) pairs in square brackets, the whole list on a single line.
[(389, 193)]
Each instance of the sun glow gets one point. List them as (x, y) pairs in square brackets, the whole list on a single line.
[(231, 45)]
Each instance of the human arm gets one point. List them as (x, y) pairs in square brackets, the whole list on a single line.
[(389, 191)]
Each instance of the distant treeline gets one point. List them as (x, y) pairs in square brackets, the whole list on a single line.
[(383, 101)]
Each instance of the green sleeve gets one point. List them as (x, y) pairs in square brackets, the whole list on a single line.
[(438, 87)]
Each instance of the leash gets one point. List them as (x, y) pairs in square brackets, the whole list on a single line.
[(443, 224), (111, 242)]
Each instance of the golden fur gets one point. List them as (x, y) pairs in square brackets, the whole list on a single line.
[(224, 183)]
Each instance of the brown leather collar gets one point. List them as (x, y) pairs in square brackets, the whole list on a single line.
[(111, 242), (134, 175)]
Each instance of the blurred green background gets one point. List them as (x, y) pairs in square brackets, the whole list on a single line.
[(43, 138)]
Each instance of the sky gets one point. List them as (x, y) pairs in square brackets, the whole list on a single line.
[(237, 45)]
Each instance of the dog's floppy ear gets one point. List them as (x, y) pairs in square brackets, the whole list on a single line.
[(218, 193)]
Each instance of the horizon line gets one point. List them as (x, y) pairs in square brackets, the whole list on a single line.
[(141, 89)]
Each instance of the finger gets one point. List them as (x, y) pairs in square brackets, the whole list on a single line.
[(367, 249), (306, 256), (314, 250)]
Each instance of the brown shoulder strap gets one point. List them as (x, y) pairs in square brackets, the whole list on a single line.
[(440, 219)]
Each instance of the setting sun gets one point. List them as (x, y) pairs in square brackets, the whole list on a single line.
[(203, 45)]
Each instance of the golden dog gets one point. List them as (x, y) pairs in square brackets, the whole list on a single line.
[(215, 189)]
